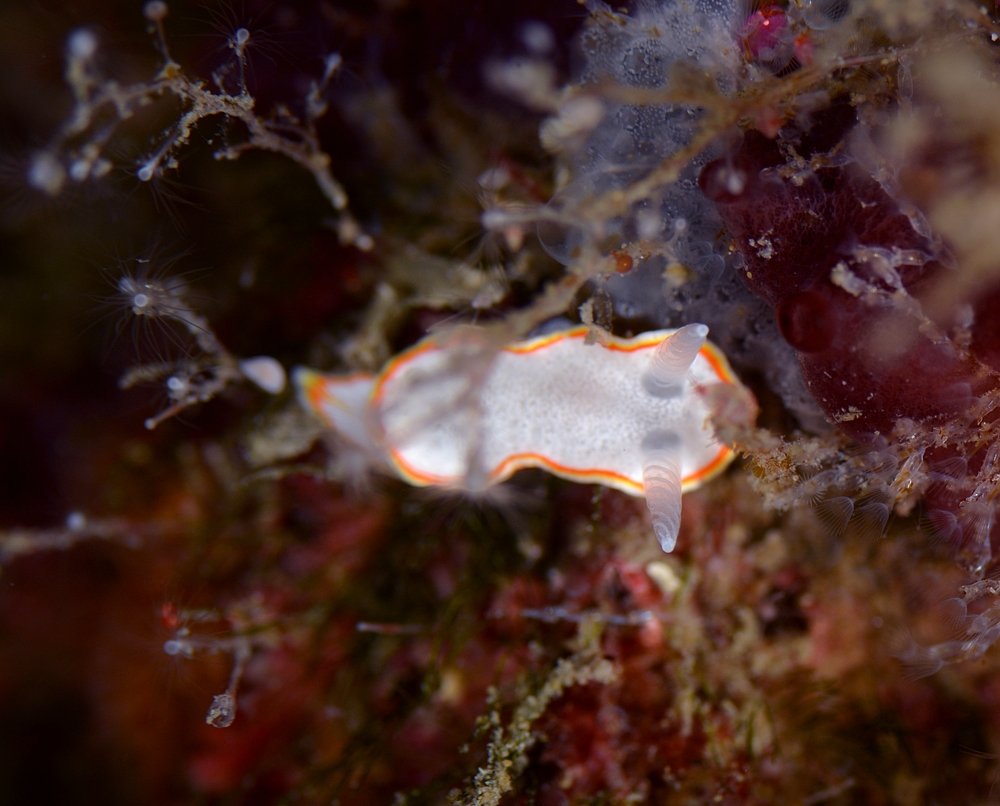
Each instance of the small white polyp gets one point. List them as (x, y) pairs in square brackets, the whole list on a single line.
[(264, 371)]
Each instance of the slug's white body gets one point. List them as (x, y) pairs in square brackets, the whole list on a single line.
[(586, 412)]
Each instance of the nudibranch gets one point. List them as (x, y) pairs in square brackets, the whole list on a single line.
[(627, 414)]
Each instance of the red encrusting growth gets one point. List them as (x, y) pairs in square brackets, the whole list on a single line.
[(847, 271), (764, 31), (804, 239)]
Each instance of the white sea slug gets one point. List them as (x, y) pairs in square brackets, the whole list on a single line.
[(627, 414)]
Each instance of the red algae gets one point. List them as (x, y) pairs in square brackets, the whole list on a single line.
[(828, 249)]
